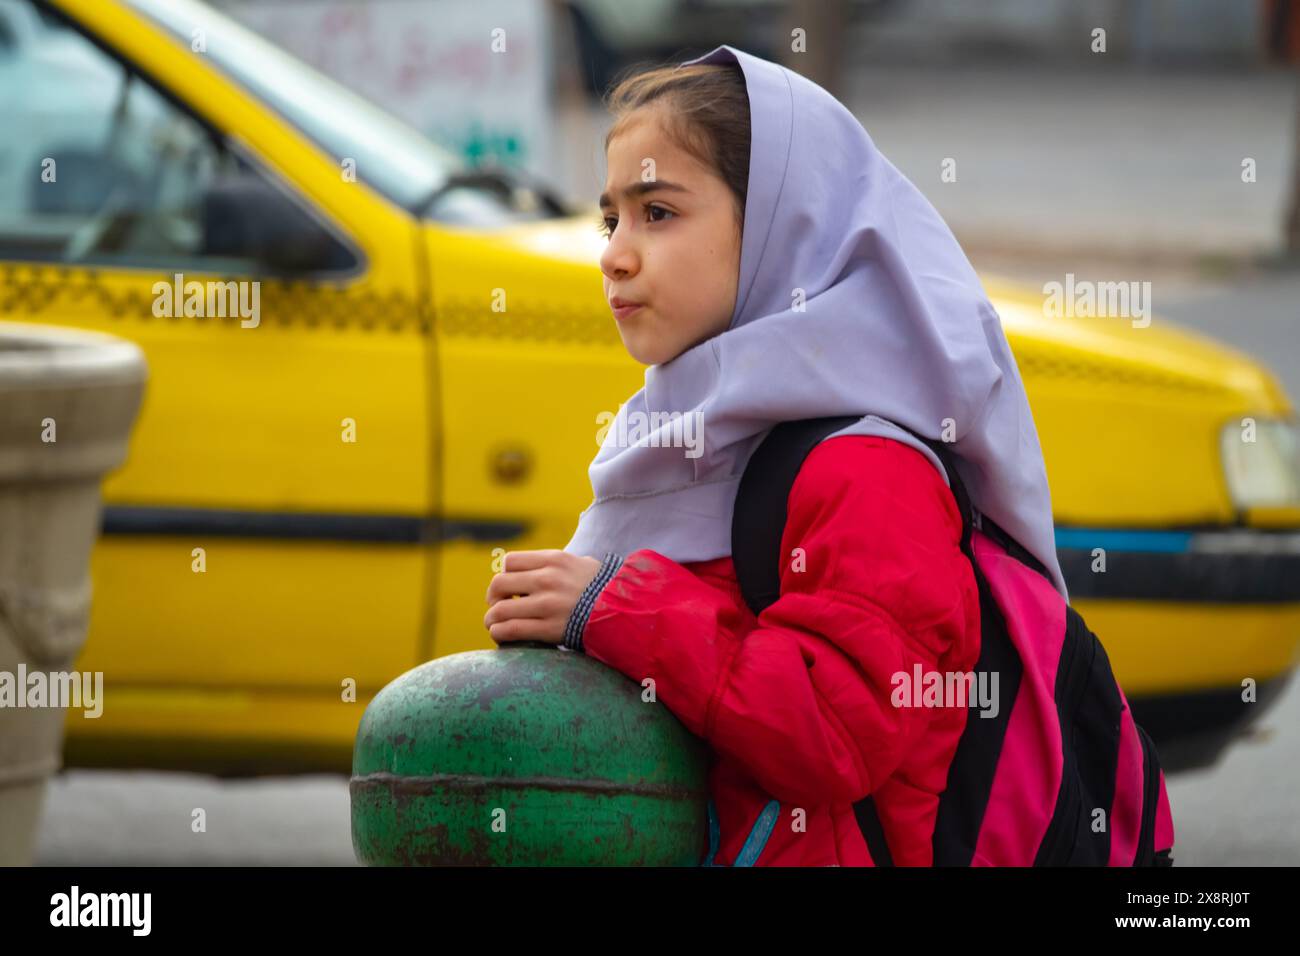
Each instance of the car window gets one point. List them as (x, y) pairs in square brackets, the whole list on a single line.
[(399, 162), (97, 166)]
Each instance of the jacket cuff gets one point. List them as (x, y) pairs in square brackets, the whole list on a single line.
[(582, 610)]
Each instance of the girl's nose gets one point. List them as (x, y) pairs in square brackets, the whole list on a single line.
[(619, 260)]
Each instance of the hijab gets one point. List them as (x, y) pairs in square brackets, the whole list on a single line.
[(854, 298)]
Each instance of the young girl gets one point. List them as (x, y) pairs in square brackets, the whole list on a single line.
[(767, 263)]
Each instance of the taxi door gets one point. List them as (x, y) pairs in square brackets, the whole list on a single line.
[(269, 534)]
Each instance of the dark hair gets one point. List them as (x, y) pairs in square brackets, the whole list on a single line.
[(706, 114)]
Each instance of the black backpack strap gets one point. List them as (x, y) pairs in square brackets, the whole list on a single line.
[(758, 520), (872, 831)]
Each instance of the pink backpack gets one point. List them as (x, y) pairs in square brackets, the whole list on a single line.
[(1062, 775)]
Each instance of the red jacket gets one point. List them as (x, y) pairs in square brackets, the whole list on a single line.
[(795, 704)]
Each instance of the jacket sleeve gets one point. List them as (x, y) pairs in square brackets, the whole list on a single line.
[(873, 583)]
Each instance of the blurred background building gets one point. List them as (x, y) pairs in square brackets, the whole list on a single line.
[(1031, 75)]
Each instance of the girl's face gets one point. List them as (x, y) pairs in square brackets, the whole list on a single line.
[(674, 246)]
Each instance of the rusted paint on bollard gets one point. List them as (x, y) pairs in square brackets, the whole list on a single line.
[(525, 756)]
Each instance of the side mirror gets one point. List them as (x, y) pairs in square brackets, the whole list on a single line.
[(245, 217)]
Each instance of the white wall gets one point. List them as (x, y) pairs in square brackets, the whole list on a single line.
[(432, 63)]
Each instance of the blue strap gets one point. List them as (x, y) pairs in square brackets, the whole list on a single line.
[(754, 843), (757, 838)]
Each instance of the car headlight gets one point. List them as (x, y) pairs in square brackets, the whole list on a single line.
[(1261, 460)]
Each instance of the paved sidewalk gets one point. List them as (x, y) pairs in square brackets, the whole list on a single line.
[(144, 818)]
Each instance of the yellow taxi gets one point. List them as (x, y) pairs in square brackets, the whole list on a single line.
[(374, 371)]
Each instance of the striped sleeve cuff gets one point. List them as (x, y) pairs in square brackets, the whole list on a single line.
[(582, 610)]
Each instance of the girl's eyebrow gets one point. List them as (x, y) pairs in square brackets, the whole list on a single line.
[(640, 189)]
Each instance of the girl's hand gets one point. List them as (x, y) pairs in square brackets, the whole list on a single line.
[(549, 582)]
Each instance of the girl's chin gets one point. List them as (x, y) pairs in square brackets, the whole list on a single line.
[(644, 353)]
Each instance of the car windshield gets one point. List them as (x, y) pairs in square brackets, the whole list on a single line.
[(398, 161)]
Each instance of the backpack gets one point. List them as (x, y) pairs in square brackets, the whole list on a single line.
[(1001, 799)]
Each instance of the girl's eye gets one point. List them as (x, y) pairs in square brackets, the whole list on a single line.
[(606, 225), (655, 209)]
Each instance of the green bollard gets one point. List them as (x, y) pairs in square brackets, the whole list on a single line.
[(525, 756)]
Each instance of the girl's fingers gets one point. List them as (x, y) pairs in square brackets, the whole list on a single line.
[(525, 629), (533, 605), (529, 560), (506, 583)]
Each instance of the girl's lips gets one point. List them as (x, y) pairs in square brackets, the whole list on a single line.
[(623, 311)]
